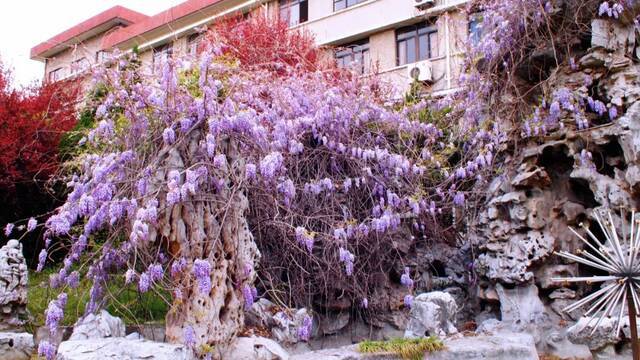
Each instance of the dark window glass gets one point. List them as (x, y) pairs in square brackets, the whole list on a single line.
[(294, 11), (341, 4), (193, 44), (55, 75), (160, 55), (355, 56), (475, 28), (416, 43), (103, 56)]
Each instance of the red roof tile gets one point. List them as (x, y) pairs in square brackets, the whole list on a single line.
[(115, 13), (158, 20)]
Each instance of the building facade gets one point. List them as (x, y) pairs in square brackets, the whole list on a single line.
[(397, 39)]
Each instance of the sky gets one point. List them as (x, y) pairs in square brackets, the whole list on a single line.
[(26, 23)]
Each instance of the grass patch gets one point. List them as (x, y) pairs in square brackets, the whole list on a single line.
[(122, 301), (408, 349)]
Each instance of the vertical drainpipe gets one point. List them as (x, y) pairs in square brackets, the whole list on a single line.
[(448, 48)]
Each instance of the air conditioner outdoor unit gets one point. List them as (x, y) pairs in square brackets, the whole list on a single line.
[(420, 71), (423, 4)]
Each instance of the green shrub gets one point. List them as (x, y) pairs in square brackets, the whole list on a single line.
[(122, 301)]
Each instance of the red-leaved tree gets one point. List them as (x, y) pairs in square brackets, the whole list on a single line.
[(32, 122), (262, 42)]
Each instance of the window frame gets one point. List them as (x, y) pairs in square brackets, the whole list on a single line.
[(55, 75), (358, 51), (345, 4), (159, 52), (103, 56), (287, 6), (78, 66), (412, 34), (194, 39)]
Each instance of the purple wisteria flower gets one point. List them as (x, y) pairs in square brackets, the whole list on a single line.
[(55, 313), (8, 229), (47, 350), (304, 331), (614, 10), (42, 258), (597, 106), (155, 272), (220, 161), (202, 272), (248, 295), (347, 258), (178, 266), (177, 294), (288, 191), (305, 238), (271, 164), (250, 171), (189, 336), (405, 279), (144, 283), (408, 301), (210, 144), (73, 280), (458, 199), (31, 224), (59, 224), (364, 303)]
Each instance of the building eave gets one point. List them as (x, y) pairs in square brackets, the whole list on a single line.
[(100, 23)]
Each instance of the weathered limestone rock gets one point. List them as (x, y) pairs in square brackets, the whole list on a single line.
[(286, 326), (101, 325), (432, 314), (535, 177), (505, 346), (612, 35), (556, 181), (557, 345), (215, 230), (604, 334), (255, 348), (490, 327), (13, 286), (509, 260), (521, 306), (16, 346), (546, 274), (261, 314), (609, 352), (121, 349), (333, 322)]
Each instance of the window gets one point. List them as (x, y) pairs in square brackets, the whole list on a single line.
[(475, 28), (102, 56), (294, 11), (416, 43), (355, 56), (160, 55), (343, 4), (55, 75), (193, 44), (79, 66)]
